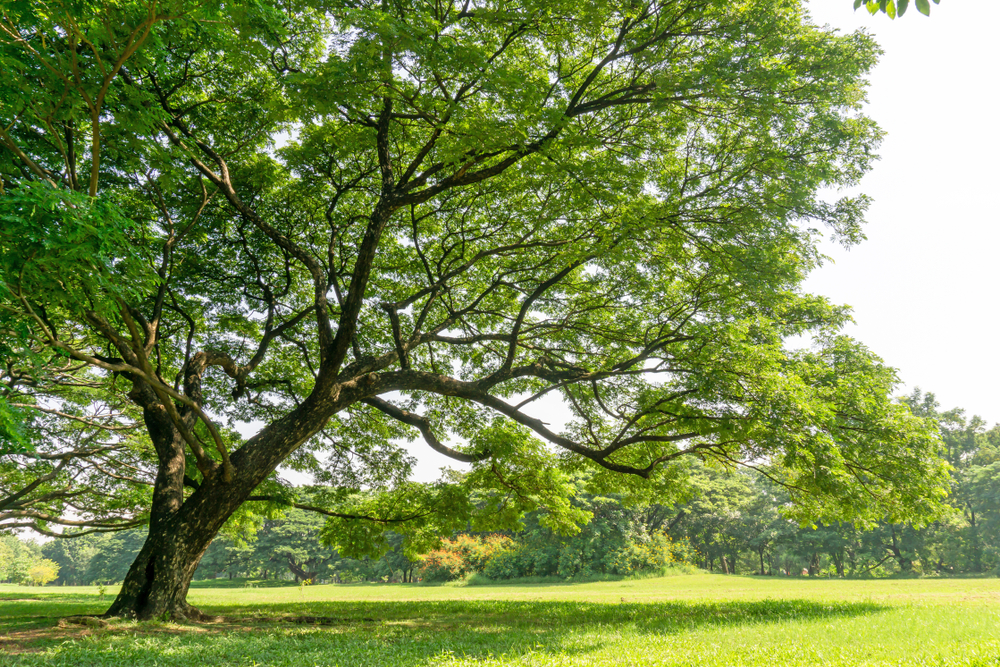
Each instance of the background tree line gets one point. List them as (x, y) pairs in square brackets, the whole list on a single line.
[(732, 522), (736, 523)]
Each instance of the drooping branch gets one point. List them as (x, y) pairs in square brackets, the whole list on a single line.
[(424, 426), (13, 500), (342, 515), (414, 380)]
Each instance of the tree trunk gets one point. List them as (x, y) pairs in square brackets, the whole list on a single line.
[(156, 585), (838, 561), (301, 574), (977, 548), (897, 553), (180, 529)]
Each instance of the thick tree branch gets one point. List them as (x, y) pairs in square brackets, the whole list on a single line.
[(424, 426)]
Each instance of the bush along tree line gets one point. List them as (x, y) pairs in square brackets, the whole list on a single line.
[(616, 541), (424, 217)]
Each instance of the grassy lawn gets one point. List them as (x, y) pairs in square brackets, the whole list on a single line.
[(681, 620)]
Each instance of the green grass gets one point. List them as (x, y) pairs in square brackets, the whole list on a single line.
[(680, 620)]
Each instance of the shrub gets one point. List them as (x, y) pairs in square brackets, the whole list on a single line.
[(463, 555), (43, 571), (649, 551), (509, 563)]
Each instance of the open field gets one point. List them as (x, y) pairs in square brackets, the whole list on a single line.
[(681, 620)]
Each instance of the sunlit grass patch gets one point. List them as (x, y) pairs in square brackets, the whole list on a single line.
[(693, 620)]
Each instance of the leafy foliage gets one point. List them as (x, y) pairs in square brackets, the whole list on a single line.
[(43, 571), (464, 555), (894, 8)]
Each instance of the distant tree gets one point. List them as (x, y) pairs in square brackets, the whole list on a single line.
[(73, 557), (396, 558), (18, 556), (600, 547), (6, 557), (973, 451), (43, 571), (762, 524), (292, 543), (228, 556), (716, 519), (115, 553)]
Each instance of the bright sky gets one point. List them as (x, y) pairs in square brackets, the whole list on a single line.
[(923, 285)]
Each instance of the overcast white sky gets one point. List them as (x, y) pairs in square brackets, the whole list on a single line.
[(923, 285)]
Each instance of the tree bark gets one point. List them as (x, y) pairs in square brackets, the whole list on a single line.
[(977, 547), (301, 574), (180, 529), (156, 585)]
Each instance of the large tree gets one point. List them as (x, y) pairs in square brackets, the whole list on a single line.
[(352, 223)]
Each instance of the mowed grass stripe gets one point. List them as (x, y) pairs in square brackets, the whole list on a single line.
[(683, 620)]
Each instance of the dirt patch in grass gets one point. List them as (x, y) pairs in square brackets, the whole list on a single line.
[(34, 640), (89, 621)]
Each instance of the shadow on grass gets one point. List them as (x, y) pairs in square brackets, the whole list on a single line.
[(404, 634), (545, 615)]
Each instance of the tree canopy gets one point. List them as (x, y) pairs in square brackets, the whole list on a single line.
[(349, 225)]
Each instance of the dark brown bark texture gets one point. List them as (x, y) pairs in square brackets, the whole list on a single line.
[(181, 530), (301, 574)]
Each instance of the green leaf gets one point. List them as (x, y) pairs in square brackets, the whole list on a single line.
[(924, 7)]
